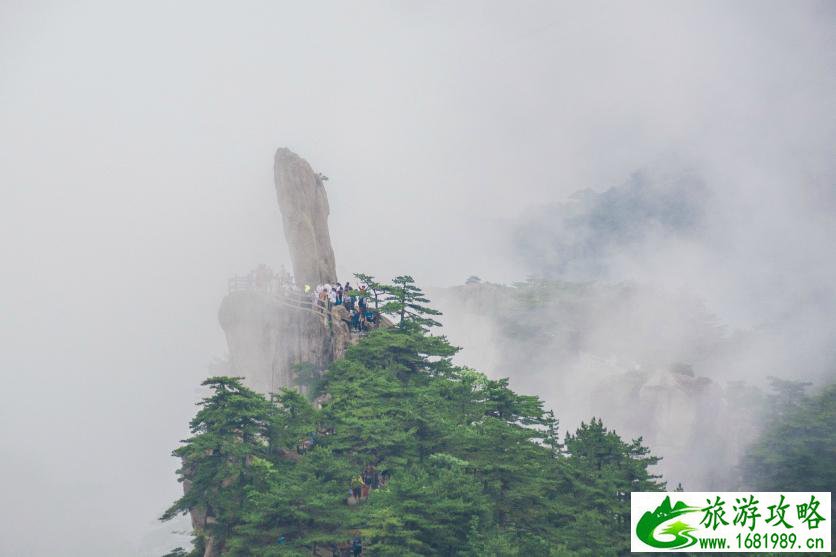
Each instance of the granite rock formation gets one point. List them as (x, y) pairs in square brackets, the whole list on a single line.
[(304, 207), (269, 333)]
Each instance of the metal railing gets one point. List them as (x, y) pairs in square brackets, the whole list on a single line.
[(280, 290)]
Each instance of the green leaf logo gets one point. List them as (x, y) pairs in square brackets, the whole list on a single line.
[(680, 531)]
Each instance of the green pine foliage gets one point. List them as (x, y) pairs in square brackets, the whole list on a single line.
[(375, 289), (474, 468), (797, 451), (229, 432), (408, 304)]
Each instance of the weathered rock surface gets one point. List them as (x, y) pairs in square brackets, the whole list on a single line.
[(267, 337), (304, 207), (267, 333), (200, 519)]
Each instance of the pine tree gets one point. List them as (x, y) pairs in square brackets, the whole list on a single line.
[(377, 289), (797, 450), (406, 301), (610, 469), (229, 431)]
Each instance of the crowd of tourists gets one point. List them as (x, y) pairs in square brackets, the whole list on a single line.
[(356, 302), (363, 483), (264, 279), (361, 317)]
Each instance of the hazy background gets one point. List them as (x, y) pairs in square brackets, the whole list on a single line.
[(136, 144)]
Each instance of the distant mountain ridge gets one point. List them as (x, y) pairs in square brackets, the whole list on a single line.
[(576, 239)]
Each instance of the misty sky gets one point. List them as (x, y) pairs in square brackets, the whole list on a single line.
[(136, 143)]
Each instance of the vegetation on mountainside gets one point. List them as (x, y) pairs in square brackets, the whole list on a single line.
[(797, 451), (475, 468)]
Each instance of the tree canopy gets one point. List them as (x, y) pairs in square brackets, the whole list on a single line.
[(473, 468), (797, 451), (407, 302)]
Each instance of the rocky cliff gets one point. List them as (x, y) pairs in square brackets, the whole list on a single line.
[(267, 337), (304, 207), (268, 331)]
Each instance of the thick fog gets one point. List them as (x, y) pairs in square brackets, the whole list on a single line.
[(136, 144)]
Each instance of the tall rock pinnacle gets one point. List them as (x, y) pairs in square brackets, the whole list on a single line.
[(270, 332), (304, 207)]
